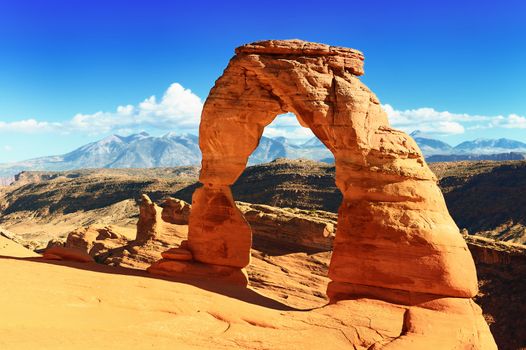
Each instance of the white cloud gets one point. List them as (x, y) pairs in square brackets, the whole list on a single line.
[(7, 148), (179, 108), (27, 125), (512, 121), (287, 125), (436, 122), (428, 120)]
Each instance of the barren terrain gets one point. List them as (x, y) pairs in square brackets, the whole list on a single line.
[(43, 207)]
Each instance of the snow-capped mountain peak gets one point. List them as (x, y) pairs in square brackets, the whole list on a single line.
[(173, 149)]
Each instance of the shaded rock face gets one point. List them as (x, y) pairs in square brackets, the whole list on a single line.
[(175, 211), (501, 268), (299, 229), (395, 239), (300, 183)]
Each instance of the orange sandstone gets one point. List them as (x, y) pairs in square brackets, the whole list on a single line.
[(395, 240), (64, 253), (394, 230), (150, 220)]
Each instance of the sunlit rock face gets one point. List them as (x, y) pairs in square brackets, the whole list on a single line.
[(150, 220), (394, 230), (395, 239)]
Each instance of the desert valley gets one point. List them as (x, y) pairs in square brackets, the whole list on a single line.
[(135, 224), (97, 211), (262, 176)]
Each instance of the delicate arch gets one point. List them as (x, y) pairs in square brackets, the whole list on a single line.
[(394, 230)]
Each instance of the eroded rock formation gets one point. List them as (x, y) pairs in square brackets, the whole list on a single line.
[(96, 240), (296, 227), (395, 239), (176, 211), (391, 201), (64, 253), (150, 220)]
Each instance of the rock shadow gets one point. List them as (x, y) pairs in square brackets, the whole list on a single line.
[(215, 286)]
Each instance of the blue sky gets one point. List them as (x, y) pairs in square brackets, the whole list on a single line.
[(75, 71)]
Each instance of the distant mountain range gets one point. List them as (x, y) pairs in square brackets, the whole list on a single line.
[(479, 149), (145, 151), (134, 151)]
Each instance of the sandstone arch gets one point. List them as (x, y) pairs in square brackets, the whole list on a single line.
[(394, 230), (398, 256)]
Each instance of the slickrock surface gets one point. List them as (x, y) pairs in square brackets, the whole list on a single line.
[(176, 211), (277, 269), (69, 254), (10, 248), (282, 269), (67, 306)]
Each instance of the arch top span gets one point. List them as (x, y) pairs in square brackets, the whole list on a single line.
[(317, 82), (339, 56)]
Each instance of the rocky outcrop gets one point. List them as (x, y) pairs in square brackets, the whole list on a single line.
[(176, 211), (312, 229), (490, 252), (487, 198), (150, 220), (118, 246), (63, 253), (289, 183), (395, 240), (97, 241)]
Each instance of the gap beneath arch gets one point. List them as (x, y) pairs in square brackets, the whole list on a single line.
[(285, 137), (291, 248)]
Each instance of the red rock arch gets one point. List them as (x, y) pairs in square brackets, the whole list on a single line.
[(394, 230)]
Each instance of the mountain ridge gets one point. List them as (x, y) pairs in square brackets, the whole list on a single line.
[(142, 150)]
